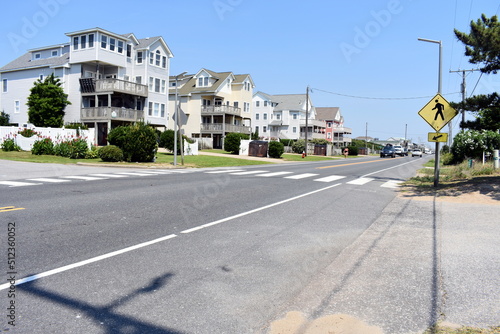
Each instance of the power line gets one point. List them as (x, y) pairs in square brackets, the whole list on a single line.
[(379, 98)]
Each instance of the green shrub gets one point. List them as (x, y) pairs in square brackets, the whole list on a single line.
[(110, 153), (232, 142), (62, 149), (10, 145), (320, 141), (43, 146), (75, 148), (299, 146), (138, 142), (76, 126), (447, 159), (276, 149), (472, 144), (287, 142), (93, 153), (353, 150), (167, 140)]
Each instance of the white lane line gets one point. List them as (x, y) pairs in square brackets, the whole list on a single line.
[(82, 177), (43, 179), (382, 170), (300, 176), (391, 184), (17, 183), (85, 262), (134, 174), (360, 181), (156, 172), (274, 174), (225, 171), (250, 172), (256, 210), (330, 178), (108, 175)]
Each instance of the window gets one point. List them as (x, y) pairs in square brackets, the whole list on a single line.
[(112, 43), (200, 82), (104, 41), (91, 40), (156, 110), (236, 104), (294, 129), (164, 62), (75, 43), (120, 46), (329, 124), (264, 129), (329, 135), (17, 106), (138, 80), (295, 116), (139, 57), (257, 129), (54, 53), (257, 103), (162, 110), (158, 57), (257, 116), (150, 109), (163, 86), (4, 84), (40, 77), (83, 41), (151, 83), (151, 57), (265, 116), (265, 103), (129, 50), (157, 85), (278, 116)]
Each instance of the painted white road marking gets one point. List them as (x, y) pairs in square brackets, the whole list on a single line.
[(17, 183), (391, 184), (300, 176), (330, 178), (108, 175), (134, 174), (250, 172), (274, 174), (360, 181), (43, 179), (84, 178), (225, 171)]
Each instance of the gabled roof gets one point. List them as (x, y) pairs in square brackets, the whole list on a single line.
[(328, 113), (240, 78), (145, 43), (264, 95), (96, 29), (26, 62), (290, 102), (219, 77)]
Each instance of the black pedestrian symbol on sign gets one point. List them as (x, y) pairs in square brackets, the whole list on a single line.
[(440, 108)]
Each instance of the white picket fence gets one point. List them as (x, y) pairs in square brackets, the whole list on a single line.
[(56, 134)]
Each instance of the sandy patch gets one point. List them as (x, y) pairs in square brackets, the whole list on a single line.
[(297, 323)]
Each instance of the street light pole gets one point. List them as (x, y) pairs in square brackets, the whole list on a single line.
[(436, 154), (176, 117)]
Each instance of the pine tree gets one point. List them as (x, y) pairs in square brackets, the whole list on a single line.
[(47, 102)]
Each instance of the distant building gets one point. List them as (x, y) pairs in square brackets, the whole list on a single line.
[(110, 79), (335, 131), (214, 103)]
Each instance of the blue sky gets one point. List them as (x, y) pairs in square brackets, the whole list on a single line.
[(367, 50)]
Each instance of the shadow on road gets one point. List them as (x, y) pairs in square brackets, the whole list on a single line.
[(105, 316)]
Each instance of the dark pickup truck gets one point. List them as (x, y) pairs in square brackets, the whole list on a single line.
[(388, 151)]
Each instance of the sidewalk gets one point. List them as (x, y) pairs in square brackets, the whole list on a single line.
[(425, 260)]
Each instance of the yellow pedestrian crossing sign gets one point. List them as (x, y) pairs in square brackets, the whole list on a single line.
[(437, 112)]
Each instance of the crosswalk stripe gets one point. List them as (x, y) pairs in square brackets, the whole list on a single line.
[(330, 178), (84, 178), (274, 174), (225, 171), (43, 179), (249, 172), (134, 174), (300, 176), (360, 181), (391, 184), (17, 183), (108, 175), (155, 172)]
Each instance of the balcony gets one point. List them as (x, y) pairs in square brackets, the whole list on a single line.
[(90, 85), (220, 110), (219, 128), (111, 113)]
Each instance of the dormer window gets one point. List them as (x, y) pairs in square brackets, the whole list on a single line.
[(203, 82), (37, 56), (54, 53)]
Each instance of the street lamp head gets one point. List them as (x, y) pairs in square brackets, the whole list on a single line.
[(429, 40)]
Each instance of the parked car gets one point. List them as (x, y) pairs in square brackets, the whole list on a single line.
[(388, 151), (416, 152)]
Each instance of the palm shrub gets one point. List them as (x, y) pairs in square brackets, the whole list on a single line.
[(276, 149)]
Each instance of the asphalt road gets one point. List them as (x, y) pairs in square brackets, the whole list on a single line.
[(224, 250)]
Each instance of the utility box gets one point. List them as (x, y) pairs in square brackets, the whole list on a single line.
[(258, 148)]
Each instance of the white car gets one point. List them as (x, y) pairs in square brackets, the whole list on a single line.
[(416, 152)]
